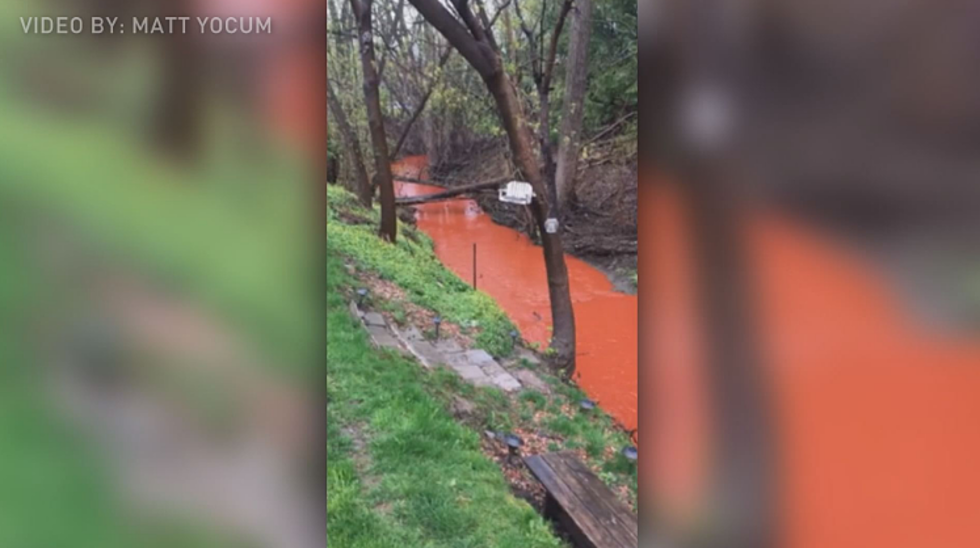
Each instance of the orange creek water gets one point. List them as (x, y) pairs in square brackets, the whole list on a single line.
[(510, 268), (876, 415)]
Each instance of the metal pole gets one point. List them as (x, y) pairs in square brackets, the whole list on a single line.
[(474, 265)]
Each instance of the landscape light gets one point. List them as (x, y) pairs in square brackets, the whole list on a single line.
[(438, 321), (587, 405), (630, 453), (361, 294), (514, 444), (513, 337)]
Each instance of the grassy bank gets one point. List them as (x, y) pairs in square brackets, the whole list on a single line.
[(86, 192), (402, 457), (57, 491), (225, 231), (412, 266), (401, 471)]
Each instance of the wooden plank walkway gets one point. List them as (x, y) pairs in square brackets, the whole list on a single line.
[(578, 500)]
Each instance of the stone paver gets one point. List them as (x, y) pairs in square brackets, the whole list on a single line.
[(413, 335), (525, 354), (507, 382), (470, 372), (475, 366), (479, 357), (457, 359), (493, 369), (425, 354), (448, 346), (429, 352), (383, 338), (373, 318), (483, 381), (530, 379)]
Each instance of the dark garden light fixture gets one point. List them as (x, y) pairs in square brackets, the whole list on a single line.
[(513, 337), (630, 453), (514, 443), (361, 294), (438, 321), (587, 405)]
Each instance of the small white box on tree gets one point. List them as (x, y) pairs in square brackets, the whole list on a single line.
[(516, 192), (551, 225)]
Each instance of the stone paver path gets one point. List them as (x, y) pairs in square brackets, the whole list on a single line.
[(475, 366)]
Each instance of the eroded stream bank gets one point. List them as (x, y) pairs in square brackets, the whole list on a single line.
[(510, 268)]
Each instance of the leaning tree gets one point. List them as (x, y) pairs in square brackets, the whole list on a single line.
[(471, 34)]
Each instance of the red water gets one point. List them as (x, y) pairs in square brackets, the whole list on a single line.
[(878, 418), (510, 268)]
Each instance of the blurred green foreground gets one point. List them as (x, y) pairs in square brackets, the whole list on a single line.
[(179, 281)]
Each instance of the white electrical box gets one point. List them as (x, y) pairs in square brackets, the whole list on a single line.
[(551, 225), (516, 192)]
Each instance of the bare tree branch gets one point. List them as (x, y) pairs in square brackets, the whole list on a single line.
[(382, 167), (531, 40), (457, 35), (491, 40), (421, 106), (553, 49), (463, 9), (493, 20)]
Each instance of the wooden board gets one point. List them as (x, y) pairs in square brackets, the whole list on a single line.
[(588, 510)]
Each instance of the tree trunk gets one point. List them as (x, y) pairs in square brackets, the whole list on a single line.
[(576, 85), (544, 142), (743, 488), (562, 313), (544, 93), (379, 141), (476, 45), (362, 186), (743, 495)]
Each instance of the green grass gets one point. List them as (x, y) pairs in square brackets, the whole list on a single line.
[(226, 232), (56, 490), (412, 265), (554, 415), (401, 471)]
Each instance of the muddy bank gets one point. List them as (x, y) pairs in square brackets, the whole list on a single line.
[(599, 226)]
